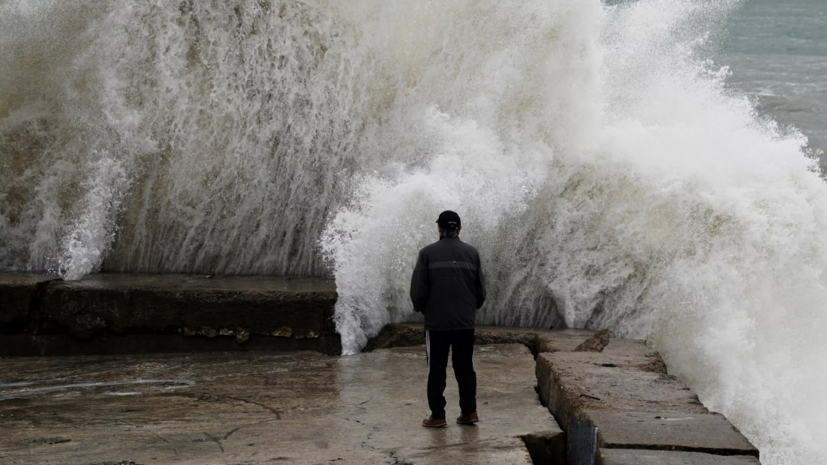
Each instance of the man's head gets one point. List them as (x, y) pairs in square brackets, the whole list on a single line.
[(449, 223)]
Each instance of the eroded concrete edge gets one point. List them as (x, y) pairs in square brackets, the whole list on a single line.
[(658, 457), (585, 444)]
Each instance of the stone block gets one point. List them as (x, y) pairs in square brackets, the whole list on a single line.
[(562, 340), (622, 398), (709, 432), (658, 457)]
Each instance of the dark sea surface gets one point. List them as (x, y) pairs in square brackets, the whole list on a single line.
[(777, 51)]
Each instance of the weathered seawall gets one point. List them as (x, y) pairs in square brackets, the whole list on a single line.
[(117, 313)]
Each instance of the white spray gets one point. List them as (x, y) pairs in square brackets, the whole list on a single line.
[(601, 166)]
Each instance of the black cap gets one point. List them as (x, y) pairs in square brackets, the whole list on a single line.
[(449, 220)]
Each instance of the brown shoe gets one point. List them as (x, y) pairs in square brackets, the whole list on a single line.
[(469, 419), (432, 422)]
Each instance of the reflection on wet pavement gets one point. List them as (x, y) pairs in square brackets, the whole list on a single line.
[(261, 407)]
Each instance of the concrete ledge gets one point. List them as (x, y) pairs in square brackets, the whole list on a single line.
[(622, 398), (268, 306), (707, 432), (37, 309), (413, 334), (655, 457)]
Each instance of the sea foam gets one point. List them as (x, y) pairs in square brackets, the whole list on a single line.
[(602, 167)]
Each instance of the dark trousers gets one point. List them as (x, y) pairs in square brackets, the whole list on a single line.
[(437, 344)]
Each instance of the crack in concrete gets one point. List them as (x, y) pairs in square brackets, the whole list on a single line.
[(153, 434), (272, 410), (364, 444), (215, 440), (209, 398), (174, 449), (398, 460), (232, 431), (355, 420), (218, 439)]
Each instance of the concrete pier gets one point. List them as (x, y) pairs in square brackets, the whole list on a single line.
[(265, 408), (614, 400)]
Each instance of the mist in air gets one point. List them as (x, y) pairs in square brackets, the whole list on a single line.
[(603, 164)]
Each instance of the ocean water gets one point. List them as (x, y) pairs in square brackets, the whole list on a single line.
[(777, 51), (643, 166)]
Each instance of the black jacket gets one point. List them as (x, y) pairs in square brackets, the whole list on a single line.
[(447, 285)]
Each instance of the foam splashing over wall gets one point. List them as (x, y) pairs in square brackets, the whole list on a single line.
[(605, 172)]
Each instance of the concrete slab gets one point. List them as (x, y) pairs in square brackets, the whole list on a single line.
[(18, 295), (709, 432), (263, 407), (563, 340), (622, 397), (656, 457), (617, 381)]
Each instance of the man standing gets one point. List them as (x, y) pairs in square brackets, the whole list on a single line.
[(447, 288)]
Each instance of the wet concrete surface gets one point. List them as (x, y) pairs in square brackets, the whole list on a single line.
[(261, 407)]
